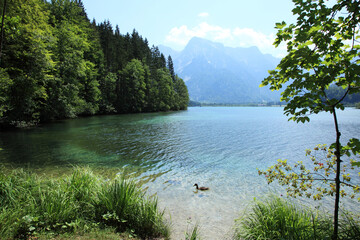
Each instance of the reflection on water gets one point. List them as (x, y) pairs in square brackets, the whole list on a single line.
[(169, 152)]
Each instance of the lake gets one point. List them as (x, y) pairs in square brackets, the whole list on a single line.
[(217, 147)]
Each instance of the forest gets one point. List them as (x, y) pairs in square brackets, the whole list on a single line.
[(55, 63)]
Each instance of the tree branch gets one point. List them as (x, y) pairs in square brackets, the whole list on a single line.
[(326, 179), (339, 101)]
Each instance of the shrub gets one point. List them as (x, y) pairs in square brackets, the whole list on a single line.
[(357, 105)]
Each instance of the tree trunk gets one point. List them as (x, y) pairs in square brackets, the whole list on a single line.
[(337, 178), (2, 29)]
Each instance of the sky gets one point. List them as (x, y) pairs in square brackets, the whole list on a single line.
[(234, 23)]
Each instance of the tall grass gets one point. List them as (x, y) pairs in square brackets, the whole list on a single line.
[(122, 204), (349, 226), (276, 218), (30, 204), (193, 233)]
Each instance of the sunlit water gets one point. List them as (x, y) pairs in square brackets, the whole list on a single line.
[(220, 148)]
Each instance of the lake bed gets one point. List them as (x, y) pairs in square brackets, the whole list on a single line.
[(218, 147)]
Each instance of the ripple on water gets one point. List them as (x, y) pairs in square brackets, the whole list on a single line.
[(217, 147)]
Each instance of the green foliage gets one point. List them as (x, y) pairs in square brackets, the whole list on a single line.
[(193, 233), (323, 51), (26, 59), (170, 66), (192, 230), (357, 105), (5, 85), (132, 87), (317, 182), (55, 64), (125, 54), (338, 92), (181, 94), (123, 205), (75, 90), (166, 90), (108, 93), (30, 205), (277, 218)]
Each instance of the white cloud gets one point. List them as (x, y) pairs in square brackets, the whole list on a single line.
[(203, 14), (237, 37), (248, 36), (180, 35)]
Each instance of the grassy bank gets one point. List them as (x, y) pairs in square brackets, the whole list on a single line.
[(85, 206), (78, 204), (277, 218)]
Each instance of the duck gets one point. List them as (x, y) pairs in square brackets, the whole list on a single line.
[(201, 188)]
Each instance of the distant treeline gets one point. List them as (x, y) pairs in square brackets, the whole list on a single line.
[(202, 104), (334, 92), (338, 92), (55, 63)]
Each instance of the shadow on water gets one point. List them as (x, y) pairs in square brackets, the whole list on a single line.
[(129, 141)]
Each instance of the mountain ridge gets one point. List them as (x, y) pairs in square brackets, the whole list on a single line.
[(215, 73)]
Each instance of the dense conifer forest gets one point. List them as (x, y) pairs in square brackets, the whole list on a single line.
[(57, 64)]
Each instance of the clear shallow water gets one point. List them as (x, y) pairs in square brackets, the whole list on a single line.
[(217, 147)]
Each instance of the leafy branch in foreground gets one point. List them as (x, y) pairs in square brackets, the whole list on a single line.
[(316, 182), (322, 51)]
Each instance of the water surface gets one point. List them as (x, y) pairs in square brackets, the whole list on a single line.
[(169, 152)]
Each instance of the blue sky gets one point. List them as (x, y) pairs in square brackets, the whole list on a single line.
[(235, 23)]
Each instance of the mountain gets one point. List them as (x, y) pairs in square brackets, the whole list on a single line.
[(168, 51), (214, 73)]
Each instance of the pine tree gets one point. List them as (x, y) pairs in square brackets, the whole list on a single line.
[(170, 66), (55, 63)]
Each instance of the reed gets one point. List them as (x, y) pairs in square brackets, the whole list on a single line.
[(31, 205)]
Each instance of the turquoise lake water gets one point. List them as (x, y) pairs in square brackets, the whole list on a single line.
[(220, 148)]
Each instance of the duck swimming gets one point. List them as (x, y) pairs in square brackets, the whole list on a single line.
[(201, 188)]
